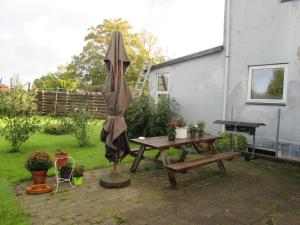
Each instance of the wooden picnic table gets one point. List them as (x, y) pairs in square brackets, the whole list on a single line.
[(162, 144)]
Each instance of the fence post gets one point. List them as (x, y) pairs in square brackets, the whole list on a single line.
[(55, 104), (277, 131)]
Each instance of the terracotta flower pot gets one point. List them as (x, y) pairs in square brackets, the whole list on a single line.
[(61, 160), (171, 137), (39, 177)]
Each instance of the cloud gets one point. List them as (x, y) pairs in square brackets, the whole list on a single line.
[(37, 36)]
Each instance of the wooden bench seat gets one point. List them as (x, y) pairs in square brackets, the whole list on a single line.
[(188, 165)]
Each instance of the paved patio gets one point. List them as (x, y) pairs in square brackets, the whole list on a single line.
[(256, 192)]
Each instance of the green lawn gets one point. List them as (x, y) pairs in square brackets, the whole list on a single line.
[(12, 168)]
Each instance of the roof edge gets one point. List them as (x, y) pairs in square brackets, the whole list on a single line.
[(188, 57)]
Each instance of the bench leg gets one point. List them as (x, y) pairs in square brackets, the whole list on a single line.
[(166, 162), (221, 167), (183, 156), (157, 155), (138, 158)]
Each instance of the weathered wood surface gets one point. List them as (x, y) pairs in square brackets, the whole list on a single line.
[(63, 103)]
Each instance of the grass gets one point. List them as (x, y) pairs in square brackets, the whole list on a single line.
[(12, 168)]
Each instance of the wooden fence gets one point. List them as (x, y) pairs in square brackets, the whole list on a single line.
[(58, 103)]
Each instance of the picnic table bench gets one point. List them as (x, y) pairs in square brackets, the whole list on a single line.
[(162, 144)]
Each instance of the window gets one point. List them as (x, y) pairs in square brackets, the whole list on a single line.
[(162, 86), (267, 84)]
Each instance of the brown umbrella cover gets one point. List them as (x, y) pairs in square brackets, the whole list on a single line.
[(118, 97)]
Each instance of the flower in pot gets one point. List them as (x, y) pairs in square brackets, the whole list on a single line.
[(61, 157), (181, 129), (66, 171), (171, 129), (38, 164), (78, 175), (193, 129), (201, 127)]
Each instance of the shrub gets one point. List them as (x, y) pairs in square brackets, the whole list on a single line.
[(39, 161), (78, 171), (18, 108), (239, 142), (81, 124), (64, 126), (145, 118)]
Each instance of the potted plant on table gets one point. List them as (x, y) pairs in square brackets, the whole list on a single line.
[(172, 130), (61, 157), (194, 131), (201, 127), (78, 175), (181, 129), (38, 164)]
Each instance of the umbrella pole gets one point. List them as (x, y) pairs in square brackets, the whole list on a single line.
[(116, 163)]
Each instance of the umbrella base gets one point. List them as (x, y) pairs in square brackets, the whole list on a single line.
[(115, 180)]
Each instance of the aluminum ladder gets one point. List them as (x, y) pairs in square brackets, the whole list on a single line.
[(142, 79)]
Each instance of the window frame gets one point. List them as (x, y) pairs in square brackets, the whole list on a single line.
[(282, 101), (166, 74)]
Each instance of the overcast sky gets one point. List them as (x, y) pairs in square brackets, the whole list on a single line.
[(36, 36)]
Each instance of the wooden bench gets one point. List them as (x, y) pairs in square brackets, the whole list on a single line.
[(183, 167)]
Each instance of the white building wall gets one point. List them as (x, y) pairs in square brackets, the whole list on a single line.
[(197, 86), (265, 32)]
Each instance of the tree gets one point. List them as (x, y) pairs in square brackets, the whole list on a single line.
[(275, 87), (88, 67)]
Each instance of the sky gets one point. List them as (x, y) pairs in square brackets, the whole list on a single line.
[(36, 36)]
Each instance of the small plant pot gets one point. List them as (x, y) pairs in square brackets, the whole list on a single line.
[(65, 174), (181, 132), (194, 135), (171, 137), (77, 181), (39, 177), (61, 160)]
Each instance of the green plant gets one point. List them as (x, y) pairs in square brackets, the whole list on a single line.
[(18, 129), (64, 126), (145, 118), (78, 171), (39, 161), (81, 122), (180, 121), (201, 125), (172, 128), (193, 128), (239, 142)]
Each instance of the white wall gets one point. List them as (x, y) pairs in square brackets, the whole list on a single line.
[(265, 32), (197, 85)]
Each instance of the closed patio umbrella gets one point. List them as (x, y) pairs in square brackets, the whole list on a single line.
[(118, 97)]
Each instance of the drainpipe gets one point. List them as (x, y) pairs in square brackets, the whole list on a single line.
[(226, 66)]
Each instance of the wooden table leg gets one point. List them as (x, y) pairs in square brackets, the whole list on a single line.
[(183, 156), (138, 158), (166, 162), (220, 163)]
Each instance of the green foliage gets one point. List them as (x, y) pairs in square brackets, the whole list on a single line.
[(201, 125), (18, 108), (145, 118), (239, 142), (39, 161), (78, 171), (275, 88), (81, 122), (88, 71), (180, 121), (64, 126)]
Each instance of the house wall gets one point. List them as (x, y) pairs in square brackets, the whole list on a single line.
[(197, 86), (265, 32)]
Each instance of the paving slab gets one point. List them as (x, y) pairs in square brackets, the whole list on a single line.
[(255, 192)]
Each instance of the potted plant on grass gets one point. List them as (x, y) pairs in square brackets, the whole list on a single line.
[(38, 164), (194, 131), (66, 171), (61, 157), (181, 129), (171, 130), (78, 175), (201, 127)]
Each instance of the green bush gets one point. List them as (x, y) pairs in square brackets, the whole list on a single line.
[(81, 125), (239, 142), (145, 118), (64, 126), (18, 108)]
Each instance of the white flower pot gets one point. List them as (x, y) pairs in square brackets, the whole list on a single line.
[(181, 132)]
